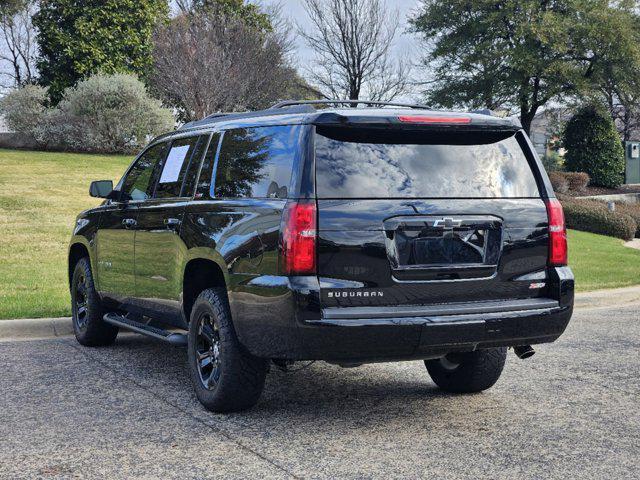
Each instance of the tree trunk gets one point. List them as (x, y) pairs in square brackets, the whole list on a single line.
[(526, 118), (354, 91)]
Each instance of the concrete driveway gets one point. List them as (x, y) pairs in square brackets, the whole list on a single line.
[(128, 412)]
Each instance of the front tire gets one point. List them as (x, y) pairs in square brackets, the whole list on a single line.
[(89, 327), (226, 378), (468, 372)]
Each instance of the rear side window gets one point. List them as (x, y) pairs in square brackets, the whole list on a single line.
[(175, 167), (364, 164), (257, 162), (139, 182)]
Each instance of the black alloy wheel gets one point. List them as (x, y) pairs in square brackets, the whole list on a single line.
[(225, 376), (80, 302), (87, 309), (208, 351)]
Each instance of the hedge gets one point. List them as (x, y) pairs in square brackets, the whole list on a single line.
[(564, 182), (594, 216), (578, 181), (631, 209), (559, 182)]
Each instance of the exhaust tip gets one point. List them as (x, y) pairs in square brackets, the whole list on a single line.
[(524, 351)]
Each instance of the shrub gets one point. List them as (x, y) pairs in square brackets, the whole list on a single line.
[(109, 113), (594, 216), (559, 182), (593, 146), (552, 162), (59, 131), (105, 114), (578, 181), (23, 108), (631, 209)]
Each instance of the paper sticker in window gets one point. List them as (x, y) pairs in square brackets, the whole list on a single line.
[(173, 165)]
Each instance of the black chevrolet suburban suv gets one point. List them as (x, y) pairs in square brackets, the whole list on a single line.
[(349, 232)]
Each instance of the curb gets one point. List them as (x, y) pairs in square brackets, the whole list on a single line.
[(36, 328), (44, 328)]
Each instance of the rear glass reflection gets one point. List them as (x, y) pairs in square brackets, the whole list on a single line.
[(363, 167)]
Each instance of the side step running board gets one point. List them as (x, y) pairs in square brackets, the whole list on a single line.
[(148, 330)]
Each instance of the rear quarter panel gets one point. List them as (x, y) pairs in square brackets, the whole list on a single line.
[(241, 236)]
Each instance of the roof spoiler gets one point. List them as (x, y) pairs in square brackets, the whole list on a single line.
[(512, 118), (430, 120)]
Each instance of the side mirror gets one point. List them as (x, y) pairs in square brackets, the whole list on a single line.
[(101, 188)]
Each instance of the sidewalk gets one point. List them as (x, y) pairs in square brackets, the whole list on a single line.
[(42, 328)]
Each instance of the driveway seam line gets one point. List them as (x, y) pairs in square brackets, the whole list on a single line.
[(180, 409)]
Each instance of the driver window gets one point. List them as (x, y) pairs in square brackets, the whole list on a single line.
[(140, 181)]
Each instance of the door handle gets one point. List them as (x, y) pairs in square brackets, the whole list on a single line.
[(172, 222), (129, 222)]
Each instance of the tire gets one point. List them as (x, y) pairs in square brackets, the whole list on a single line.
[(226, 377), (468, 372), (89, 327)]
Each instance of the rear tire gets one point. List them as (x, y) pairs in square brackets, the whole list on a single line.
[(468, 372), (226, 377), (89, 327)]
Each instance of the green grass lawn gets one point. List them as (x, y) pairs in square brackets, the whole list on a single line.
[(41, 193), (602, 262)]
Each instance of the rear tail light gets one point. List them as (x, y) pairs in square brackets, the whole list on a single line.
[(433, 119), (557, 234), (298, 240)]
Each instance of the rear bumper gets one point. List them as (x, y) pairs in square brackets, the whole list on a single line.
[(379, 339), (289, 329)]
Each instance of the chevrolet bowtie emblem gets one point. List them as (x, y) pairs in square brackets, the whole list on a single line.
[(447, 222)]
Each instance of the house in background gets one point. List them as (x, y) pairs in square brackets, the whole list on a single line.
[(546, 128)]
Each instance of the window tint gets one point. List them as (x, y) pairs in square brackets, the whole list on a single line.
[(203, 189), (139, 182), (361, 164), (175, 167), (257, 162)]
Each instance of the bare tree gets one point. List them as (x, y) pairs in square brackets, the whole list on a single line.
[(184, 6), (210, 63), (622, 99), (352, 40), (18, 47)]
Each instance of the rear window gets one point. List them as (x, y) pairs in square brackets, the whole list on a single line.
[(257, 162), (366, 164)]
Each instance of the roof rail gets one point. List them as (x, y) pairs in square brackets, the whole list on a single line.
[(216, 115), (221, 117), (290, 103)]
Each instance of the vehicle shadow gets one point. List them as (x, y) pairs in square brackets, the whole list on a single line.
[(364, 395)]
